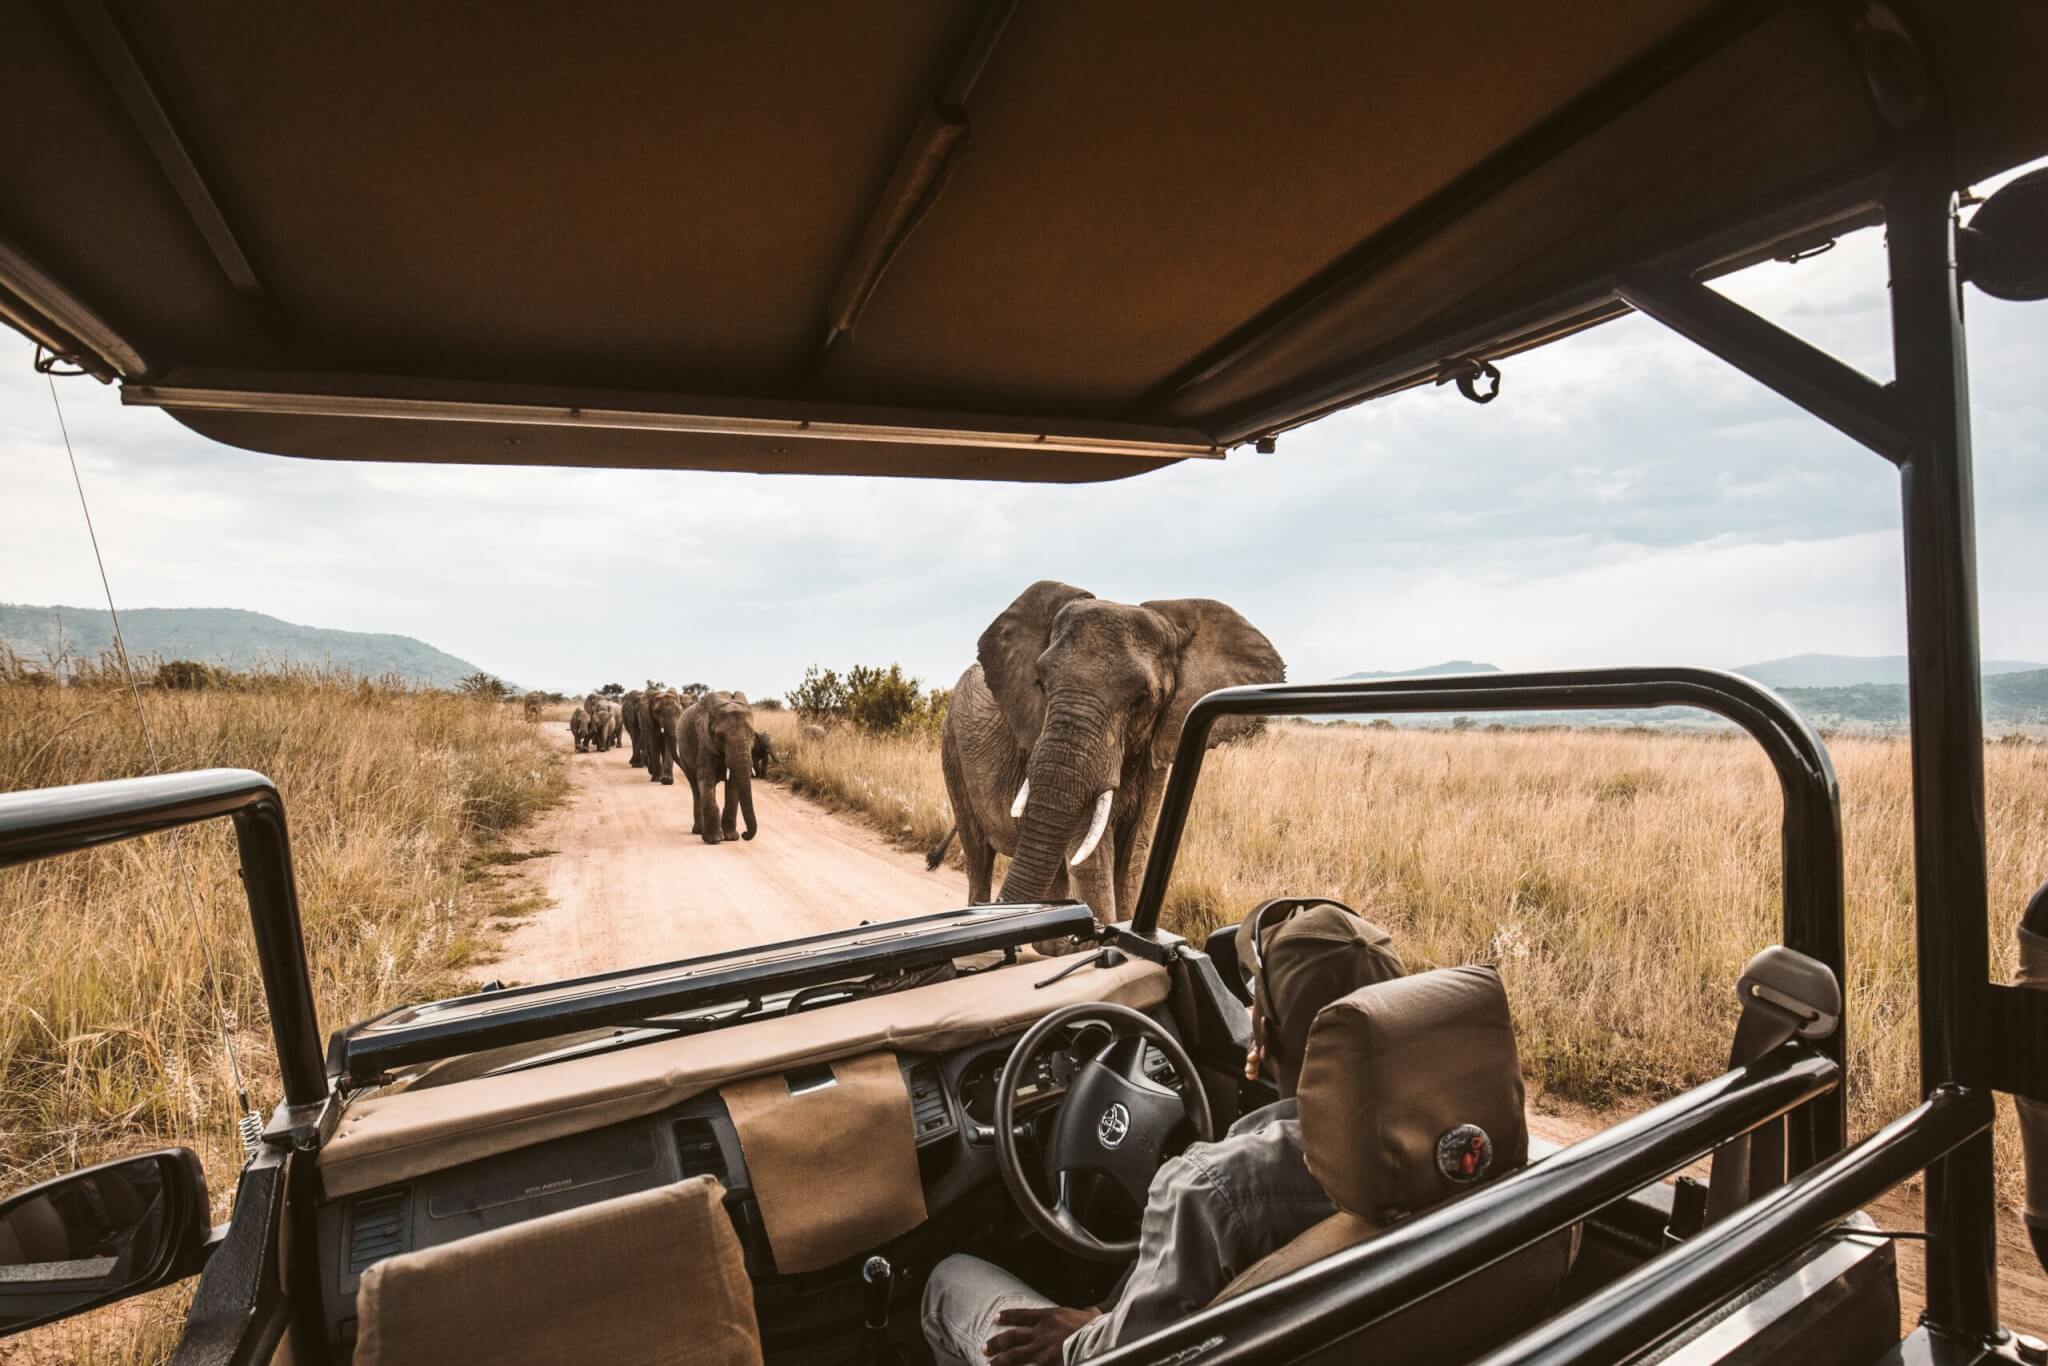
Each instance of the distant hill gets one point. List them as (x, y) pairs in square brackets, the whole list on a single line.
[(2010, 699), (226, 636), (1454, 666), (1849, 671), (2015, 695)]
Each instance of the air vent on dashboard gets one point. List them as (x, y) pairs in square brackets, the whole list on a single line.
[(929, 1116), (376, 1230), (697, 1145)]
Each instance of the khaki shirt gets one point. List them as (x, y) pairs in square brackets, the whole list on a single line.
[(1211, 1214)]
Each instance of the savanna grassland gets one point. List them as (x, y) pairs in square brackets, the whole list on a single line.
[(1619, 880), (109, 1042)]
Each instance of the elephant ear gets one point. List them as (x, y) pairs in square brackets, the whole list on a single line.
[(1009, 651), (1218, 649)]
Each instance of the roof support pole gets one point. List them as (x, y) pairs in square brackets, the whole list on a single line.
[(1843, 397), (920, 176), (1950, 896), (109, 46)]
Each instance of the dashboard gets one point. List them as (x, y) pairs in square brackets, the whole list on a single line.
[(952, 1116)]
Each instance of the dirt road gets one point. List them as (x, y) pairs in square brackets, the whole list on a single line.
[(630, 884)]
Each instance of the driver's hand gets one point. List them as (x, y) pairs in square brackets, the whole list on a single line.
[(1033, 1336)]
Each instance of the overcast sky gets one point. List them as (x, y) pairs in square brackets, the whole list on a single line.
[(1627, 499)]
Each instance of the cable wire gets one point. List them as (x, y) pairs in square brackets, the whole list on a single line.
[(245, 1112)]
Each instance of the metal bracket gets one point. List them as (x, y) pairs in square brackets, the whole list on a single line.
[(1467, 373), (303, 1128), (1843, 397)]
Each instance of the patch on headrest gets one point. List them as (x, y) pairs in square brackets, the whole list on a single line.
[(1464, 1154)]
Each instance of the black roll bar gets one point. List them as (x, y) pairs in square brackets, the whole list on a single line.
[(61, 820), (1349, 1291), (1811, 833), (1646, 1307)]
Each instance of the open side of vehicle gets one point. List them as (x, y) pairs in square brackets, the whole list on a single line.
[(775, 1144)]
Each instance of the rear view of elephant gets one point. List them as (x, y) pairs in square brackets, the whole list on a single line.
[(579, 729), (717, 746), (764, 753), (661, 726), (1058, 741), (630, 718)]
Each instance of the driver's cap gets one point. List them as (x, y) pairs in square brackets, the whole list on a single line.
[(1315, 956)]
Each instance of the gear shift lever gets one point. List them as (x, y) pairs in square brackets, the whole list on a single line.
[(878, 1278)]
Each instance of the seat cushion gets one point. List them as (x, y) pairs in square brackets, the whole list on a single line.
[(653, 1279)]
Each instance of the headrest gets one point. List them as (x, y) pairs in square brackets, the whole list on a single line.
[(1411, 1093)]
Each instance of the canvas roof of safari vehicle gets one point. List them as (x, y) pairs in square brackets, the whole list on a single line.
[(1060, 242)]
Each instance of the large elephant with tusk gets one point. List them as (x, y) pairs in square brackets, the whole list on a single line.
[(1058, 739)]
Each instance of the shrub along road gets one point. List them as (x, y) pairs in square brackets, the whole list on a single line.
[(629, 884)]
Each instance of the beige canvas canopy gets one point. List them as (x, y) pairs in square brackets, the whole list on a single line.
[(1052, 241)]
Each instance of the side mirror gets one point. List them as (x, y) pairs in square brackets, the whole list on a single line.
[(2004, 251), (99, 1235), (1221, 946)]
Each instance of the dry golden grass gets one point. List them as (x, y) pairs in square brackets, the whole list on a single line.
[(108, 1037), (1618, 879)]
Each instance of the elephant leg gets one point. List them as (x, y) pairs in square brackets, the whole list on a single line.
[(981, 868), (707, 808), (729, 816), (1093, 882)]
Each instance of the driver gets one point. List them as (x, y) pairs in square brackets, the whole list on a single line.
[(1216, 1209)]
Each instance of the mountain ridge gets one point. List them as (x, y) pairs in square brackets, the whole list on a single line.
[(233, 637), (2015, 695), (1849, 671), (1449, 666)]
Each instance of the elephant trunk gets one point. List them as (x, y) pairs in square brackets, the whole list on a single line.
[(743, 778), (1071, 771)]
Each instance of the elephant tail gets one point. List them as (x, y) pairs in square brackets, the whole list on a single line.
[(937, 854)]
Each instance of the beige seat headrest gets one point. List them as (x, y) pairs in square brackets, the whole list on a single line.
[(655, 1278), (1411, 1093)]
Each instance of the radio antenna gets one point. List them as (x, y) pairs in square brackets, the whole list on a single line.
[(248, 1123)]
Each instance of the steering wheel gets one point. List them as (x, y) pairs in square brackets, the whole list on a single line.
[(1114, 1120)]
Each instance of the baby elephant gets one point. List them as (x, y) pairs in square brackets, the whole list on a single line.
[(764, 754), (716, 745), (604, 726), (579, 727)]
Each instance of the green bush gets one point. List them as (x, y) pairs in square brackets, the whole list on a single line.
[(189, 675), (489, 687), (880, 701), (820, 697)]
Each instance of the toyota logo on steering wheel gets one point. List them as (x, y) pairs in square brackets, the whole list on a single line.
[(1114, 1125)]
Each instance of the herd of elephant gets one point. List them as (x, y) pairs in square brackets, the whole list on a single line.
[(710, 737), (1056, 744)]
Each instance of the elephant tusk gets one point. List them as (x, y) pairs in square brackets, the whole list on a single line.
[(1095, 828), (1023, 795)]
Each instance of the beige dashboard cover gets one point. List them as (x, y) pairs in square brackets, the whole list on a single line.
[(394, 1137), (833, 1164), (653, 1279)]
